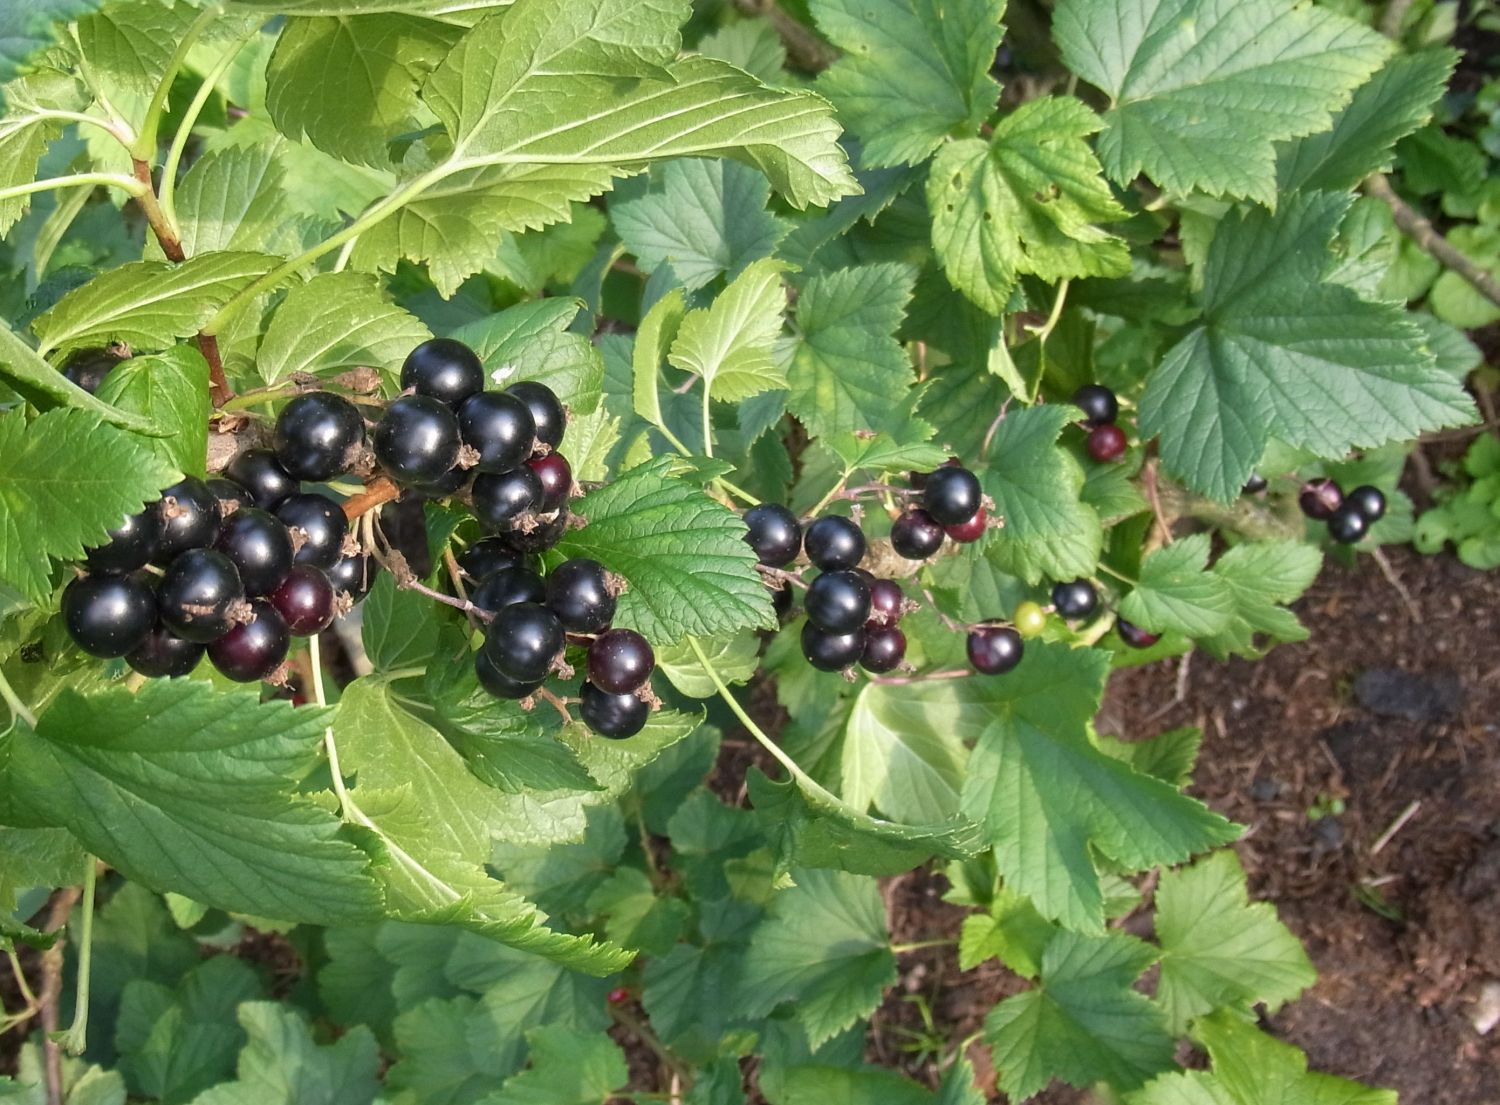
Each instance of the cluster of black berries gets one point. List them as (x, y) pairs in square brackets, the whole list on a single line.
[(1349, 517), (1106, 441), (234, 566)]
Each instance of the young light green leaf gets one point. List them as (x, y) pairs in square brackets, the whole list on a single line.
[(729, 343), (913, 71), (735, 659), (901, 755), (396, 628), (1028, 201), (532, 341), (904, 448), (567, 1068), (749, 44), (652, 340), (1011, 931), (283, 1065), (170, 390), (1261, 577), (26, 129), (338, 320), (237, 197), (1201, 91), (44, 387), (128, 45), (1167, 756), (1176, 593), (28, 29)]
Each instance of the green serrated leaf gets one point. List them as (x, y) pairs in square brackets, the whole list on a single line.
[(26, 128), (1261, 578), (735, 659), (45, 387), (239, 197), (730, 342), (28, 29), (902, 755), (283, 1065), (336, 321), (170, 390), (128, 45), (652, 340), (532, 341), (567, 1068), (1176, 593)]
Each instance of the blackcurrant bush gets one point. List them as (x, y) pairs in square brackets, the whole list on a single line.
[(131, 544), (498, 500), (108, 615), (1098, 404), (1030, 619), (1134, 635), (1075, 600), (968, 532), (620, 661), (497, 683), (1347, 525), (952, 495), (831, 651), (540, 537), (1255, 484), (354, 576), (443, 369), (523, 641), (774, 533), (230, 495), (497, 426), (88, 367), (260, 546), (1106, 443), (556, 476), (305, 600), (546, 410), (994, 649), (834, 543), (189, 518), (916, 535), (838, 602), (198, 594), (885, 648), (317, 527), (416, 440), (164, 655), (318, 436), (507, 587), (578, 592), (616, 716), (1369, 501), (887, 601), (489, 555), (261, 475), (252, 650), (1320, 498)]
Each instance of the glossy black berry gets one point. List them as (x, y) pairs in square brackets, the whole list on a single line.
[(261, 475), (838, 602), (489, 555), (88, 367), (164, 655), (507, 587), (524, 639), (317, 527), (831, 651), (108, 615), (885, 648), (416, 440), (1347, 525), (916, 535), (968, 532), (1098, 404), (498, 500), (620, 661), (834, 543), (189, 518), (443, 369), (952, 495), (556, 476), (1369, 501), (781, 601), (260, 546), (1320, 498), (541, 536), (131, 544), (616, 716), (230, 495), (305, 600), (497, 426), (318, 436), (1107, 443), (546, 410), (354, 576), (497, 683), (1255, 484), (1075, 600), (252, 650), (774, 533), (887, 601), (450, 483), (198, 594), (1134, 635), (994, 649), (579, 593)]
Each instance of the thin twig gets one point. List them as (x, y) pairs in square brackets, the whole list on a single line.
[(804, 48), (1420, 230), (924, 677), (989, 435), (557, 704), (1412, 609), (782, 574), (61, 905), (1396, 826), (1153, 496)]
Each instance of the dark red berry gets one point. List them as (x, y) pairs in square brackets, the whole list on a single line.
[(1369, 501), (831, 651), (774, 533), (1134, 635), (416, 440), (838, 602), (620, 661), (305, 600), (834, 543), (164, 655), (616, 716), (1347, 525), (994, 649), (1107, 443), (252, 650), (189, 518), (498, 500), (354, 576), (618, 996), (260, 546), (261, 475), (579, 593), (523, 641), (198, 594), (1098, 404), (317, 527), (546, 410), (1075, 600), (916, 535), (497, 426), (318, 436), (556, 476), (497, 683), (885, 648), (131, 544), (968, 532), (507, 587), (443, 369), (887, 601), (1320, 498), (952, 495), (108, 615)]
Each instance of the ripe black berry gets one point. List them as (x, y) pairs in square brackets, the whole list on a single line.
[(1075, 600), (443, 369), (230, 495), (887, 601), (834, 542), (620, 661), (133, 542), (507, 587), (354, 576), (916, 535), (108, 615), (1255, 484), (546, 410), (88, 367), (497, 683), (774, 533), (1106, 443), (417, 441), (1320, 498), (1347, 525), (260, 546), (198, 594), (885, 648), (1368, 500), (542, 536), (499, 427), (317, 527), (490, 555), (164, 655), (556, 476), (1134, 635), (318, 436), (994, 649), (500, 499), (305, 600), (831, 651), (189, 518), (838, 602), (1098, 404), (450, 483), (968, 532), (523, 640), (252, 650), (261, 475), (781, 600), (616, 716), (578, 592), (952, 495)]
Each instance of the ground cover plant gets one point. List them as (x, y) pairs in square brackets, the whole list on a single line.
[(746, 438)]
